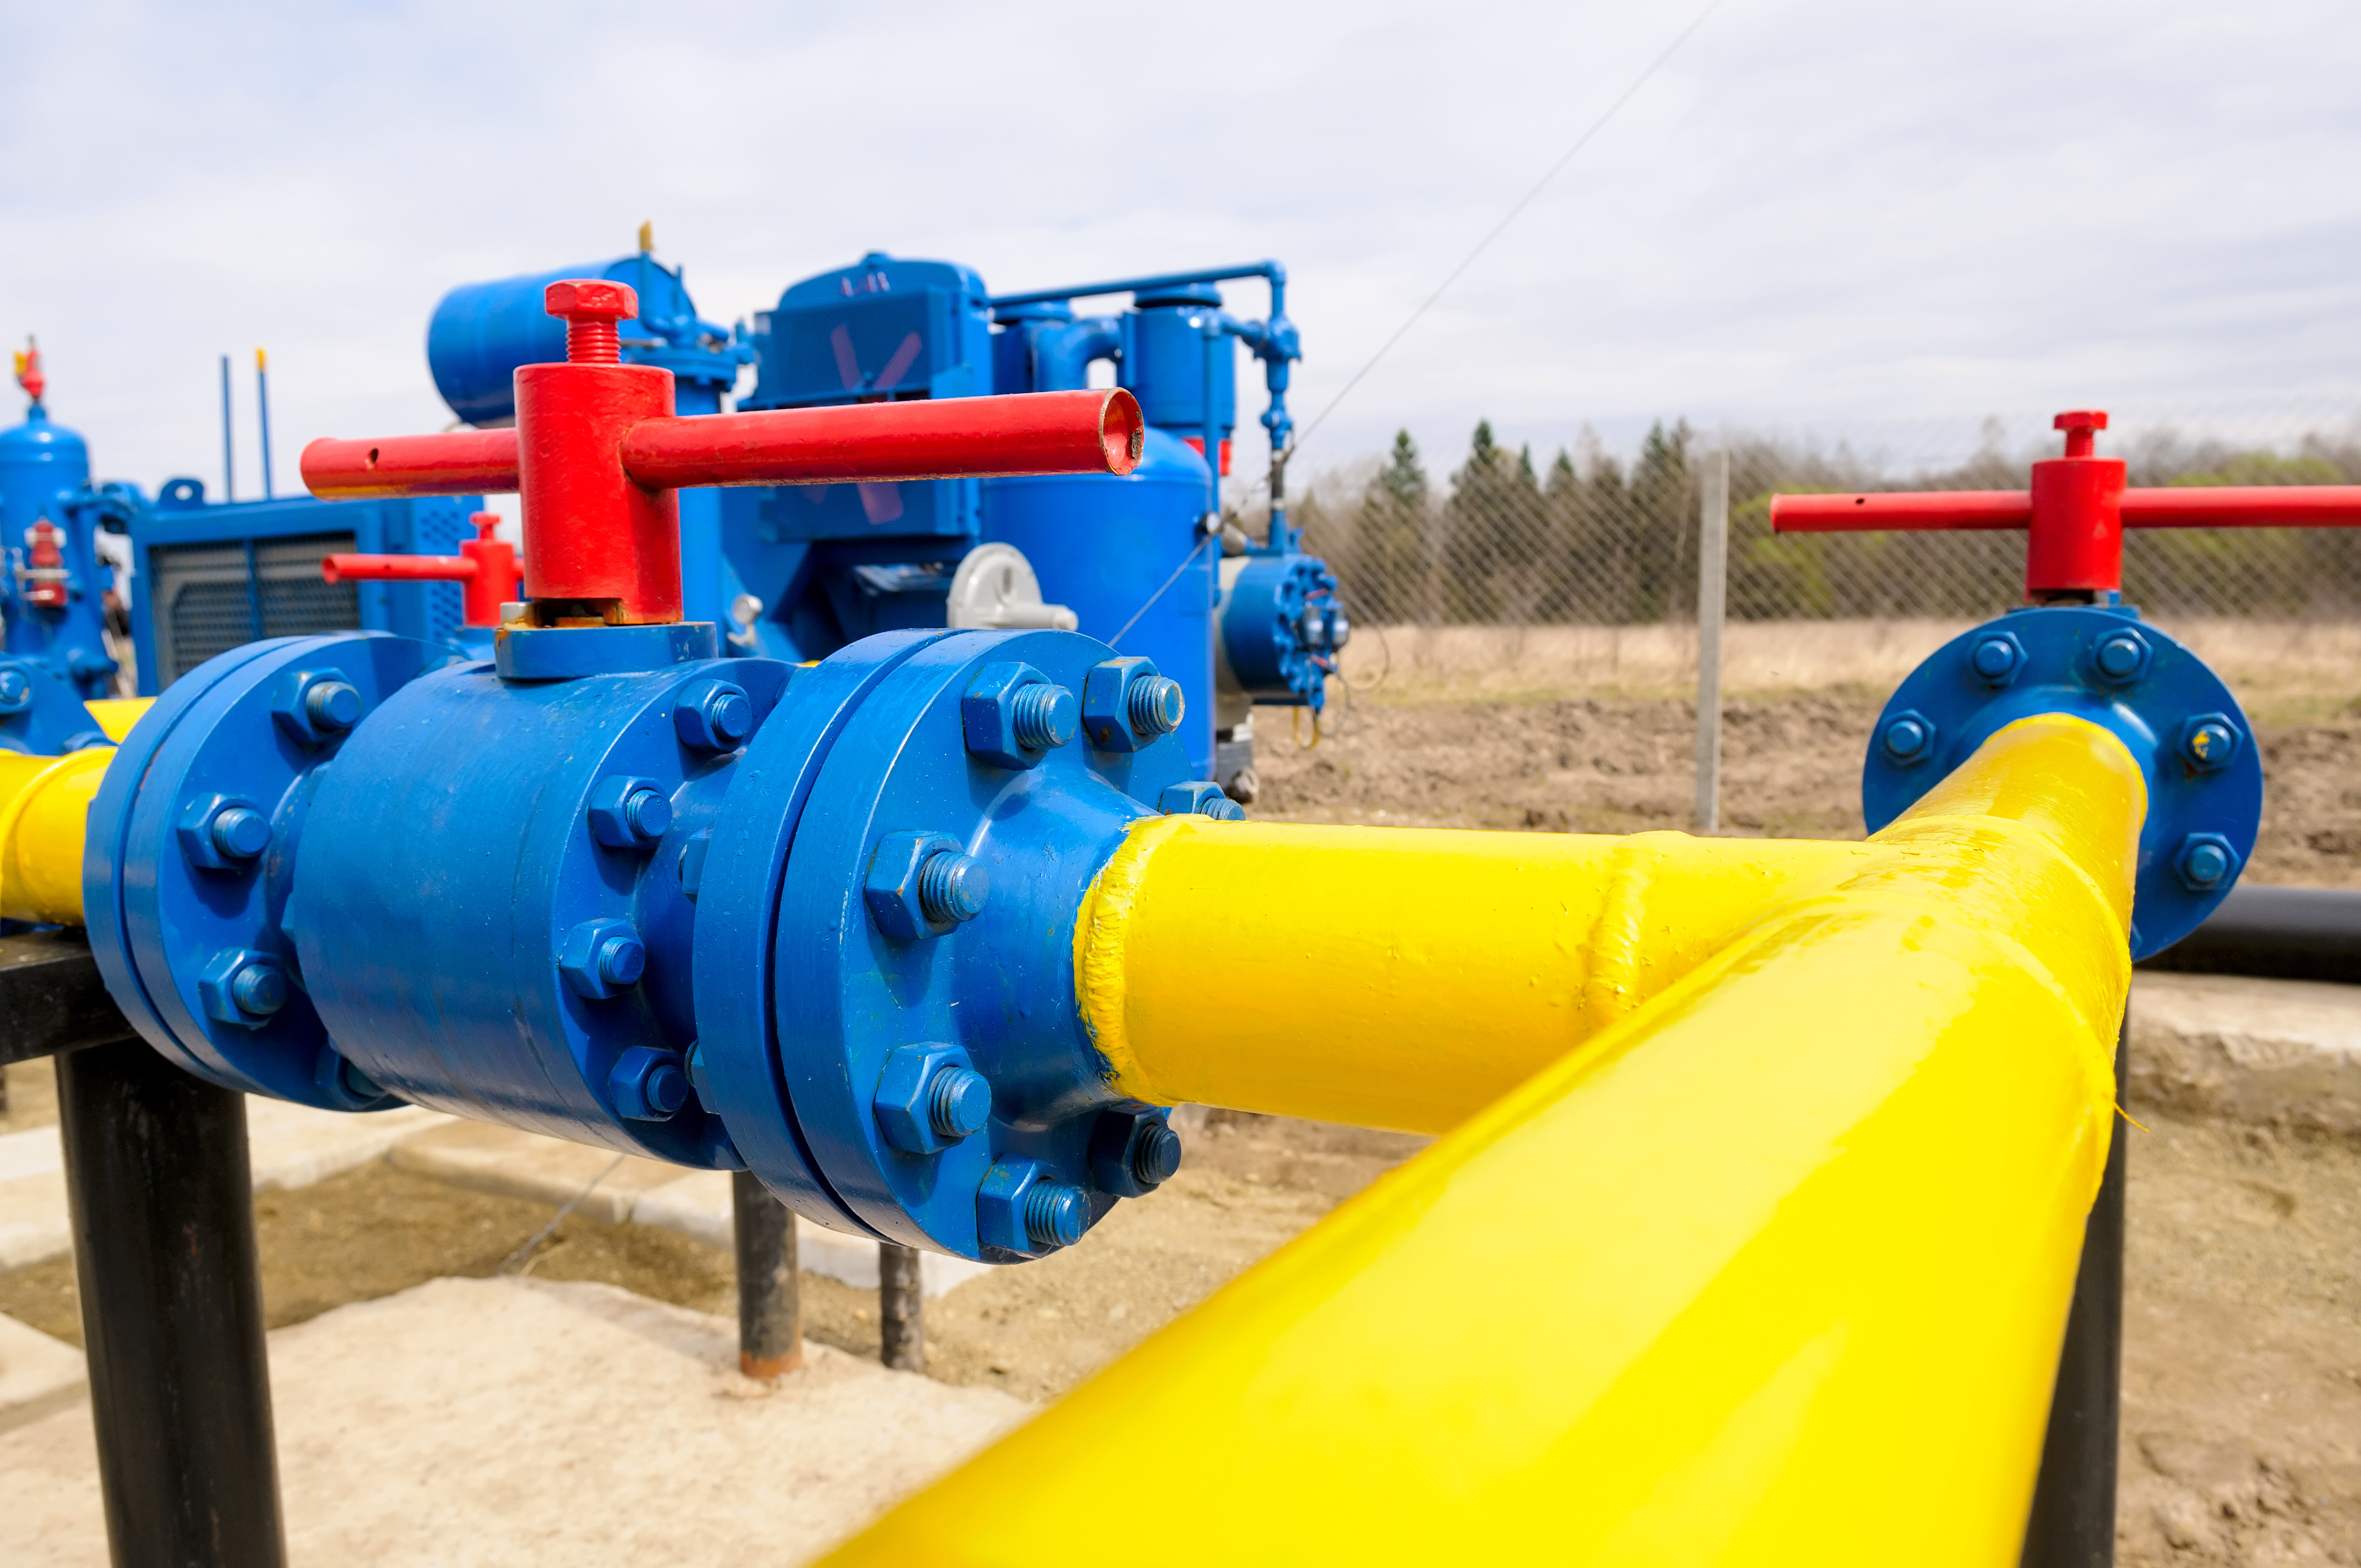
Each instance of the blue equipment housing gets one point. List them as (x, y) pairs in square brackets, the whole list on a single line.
[(480, 333), (208, 577), (2102, 663), (45, 483), (815, 922)]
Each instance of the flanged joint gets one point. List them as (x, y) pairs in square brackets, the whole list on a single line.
[(647, 1085), (2209, 742), (15, 690), (628, 812), (1134, 1151), (243, 987), (922, 884), (1909, 737), (222, 833), (1201, 797), (2204, 861), (1020, 1209), (315, 706), (713, 716), (598, 959), (2120, 657), (929, 1097), (1012, 716), (1126, 705), (1996, 658)]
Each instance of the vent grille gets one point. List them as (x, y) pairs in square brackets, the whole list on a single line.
[(212, 597)]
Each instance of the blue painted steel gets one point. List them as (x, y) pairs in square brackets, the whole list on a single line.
[(504, 900), (562, 652), (2100, 663), (42, 713), (1281, 625), (1129, 556), (45, 478), (198, 568)]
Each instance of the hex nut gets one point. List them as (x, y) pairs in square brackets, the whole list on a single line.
[(1907, 739), (600, 958), (713, 716), (1128, 706), (313, 707), (691, 862), (1133, 1151), (1199, 798), (647, 1085), (222, 833), (897, 886), (1012, 716), (628, 812), (2120, 657), (1022, 1208), (2209, 742), (914, 1078), (15, 690), (2204, 861), (242, 986), (343, 1085), (1997, 658)]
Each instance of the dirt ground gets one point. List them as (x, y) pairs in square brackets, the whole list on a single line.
[(2242, 1420)]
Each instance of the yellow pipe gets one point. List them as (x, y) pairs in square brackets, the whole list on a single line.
[(1397, 977), (116, 715), (44, 803), (1774, 1271)]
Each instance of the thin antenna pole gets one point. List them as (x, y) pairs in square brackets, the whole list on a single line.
[(262, 413), (229, 461)]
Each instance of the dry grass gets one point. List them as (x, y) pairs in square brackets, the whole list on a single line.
[(2288, 671)]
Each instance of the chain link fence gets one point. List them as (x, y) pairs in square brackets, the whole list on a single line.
[(1587, 537)]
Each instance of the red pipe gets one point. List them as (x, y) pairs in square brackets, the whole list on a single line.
[(488, 568)]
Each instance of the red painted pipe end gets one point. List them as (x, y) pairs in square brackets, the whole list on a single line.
[(1122, 432)]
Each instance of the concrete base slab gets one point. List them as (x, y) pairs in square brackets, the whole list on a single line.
[(290, 1145), (2282, 1052), (698, 1205), (511, 1164), (500, 1421), (38, 1375)]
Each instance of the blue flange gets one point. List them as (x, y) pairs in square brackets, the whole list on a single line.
[(1281, 625), (42, 711), (2194, 745)]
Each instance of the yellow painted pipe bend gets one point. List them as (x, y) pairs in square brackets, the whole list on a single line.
[(1774, 1270), (116, 715), (44, 806)]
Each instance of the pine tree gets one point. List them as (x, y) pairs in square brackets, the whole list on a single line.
[(1391, 551)]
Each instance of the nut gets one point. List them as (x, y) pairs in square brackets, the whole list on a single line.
[(2209, 742), (1907, 737), (1128, 706), (713, 716), (1134, 1151), (629, 813), (222, 833), (243, 987), (1022, 1208), (931, 1097), (1200, 798), (920, 885), (314, 707), (598, 958), (647, 1085), (1012, 716)]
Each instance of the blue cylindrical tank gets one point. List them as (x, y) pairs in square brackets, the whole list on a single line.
[(45, 478), (1127, 556), (41, 462)]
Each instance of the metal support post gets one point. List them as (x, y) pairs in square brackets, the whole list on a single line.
[(2073, 1520), (770, 1306), (1713, 593), (902, 1307), (172, 1310)]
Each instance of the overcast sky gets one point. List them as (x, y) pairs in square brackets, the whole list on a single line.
[(1828, 216)]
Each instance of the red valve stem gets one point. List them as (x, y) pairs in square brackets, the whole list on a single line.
[(486, 567)]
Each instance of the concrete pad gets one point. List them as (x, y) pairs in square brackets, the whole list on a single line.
[(520, 1421), (2285, 1052), (38, 1375), (698, 1205), (511, 1164)]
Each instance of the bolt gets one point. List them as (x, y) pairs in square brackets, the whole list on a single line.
[(713, 716), (629, 813), (240, 833), (1156, 1156), (2202, 862), (16, 691), (1154, 705), (648, 814), (953, 887), (332, 706), (1044, 717), (2121, 655), (959, 1102), (258, 989), (1905, 739), (1993, 657), (591, 307), (2209, 744), (622, 959), (1200, 798), (1055, 1214)]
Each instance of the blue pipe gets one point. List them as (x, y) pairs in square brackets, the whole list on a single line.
[(262, 412), (229, 461)]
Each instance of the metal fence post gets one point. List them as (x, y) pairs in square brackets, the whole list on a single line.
[(770, 1304), (1713, 592), (902, 1307)]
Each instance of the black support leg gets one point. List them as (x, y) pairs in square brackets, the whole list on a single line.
[(172, 1310), (2073, 1520), (902, 1307), (770, 1308)]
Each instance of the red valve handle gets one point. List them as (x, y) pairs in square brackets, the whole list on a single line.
[(2075, 512), (597, 451), (487, 567)]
